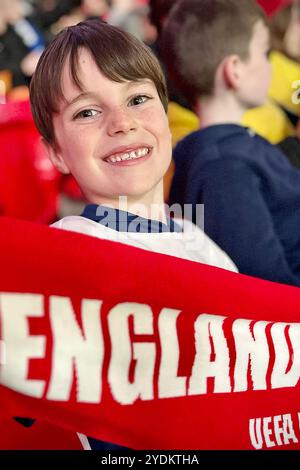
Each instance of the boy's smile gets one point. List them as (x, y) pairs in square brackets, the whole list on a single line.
[(112, 136), (129, 155)]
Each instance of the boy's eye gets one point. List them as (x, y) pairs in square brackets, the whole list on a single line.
[(86, 113), (138, 99)]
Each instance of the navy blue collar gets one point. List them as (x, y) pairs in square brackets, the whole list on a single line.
[(123, 221)]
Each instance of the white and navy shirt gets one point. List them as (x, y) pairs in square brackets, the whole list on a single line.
[(180, 238)]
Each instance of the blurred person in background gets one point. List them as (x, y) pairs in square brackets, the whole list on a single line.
[(132, 16), (285, 57), (23, 38), (269, 120), (285, 30), (45, 13), (21, 43), (217, 51), (80, 10)]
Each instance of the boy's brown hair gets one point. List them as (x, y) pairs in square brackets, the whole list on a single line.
[(199, 34), (118, 55)]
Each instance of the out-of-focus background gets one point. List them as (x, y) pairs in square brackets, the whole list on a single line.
[(30, 188)]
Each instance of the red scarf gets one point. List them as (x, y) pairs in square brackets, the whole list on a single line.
[(144, 350)]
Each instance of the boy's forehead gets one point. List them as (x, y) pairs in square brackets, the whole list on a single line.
[(85, 70), (90, 77), (83, 66)]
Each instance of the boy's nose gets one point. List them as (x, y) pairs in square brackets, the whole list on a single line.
[(121, 121)]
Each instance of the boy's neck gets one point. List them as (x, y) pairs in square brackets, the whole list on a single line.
[(224, 109), (149, 206)]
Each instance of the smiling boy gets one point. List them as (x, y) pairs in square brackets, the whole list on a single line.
[(118, 130), (99, 100)]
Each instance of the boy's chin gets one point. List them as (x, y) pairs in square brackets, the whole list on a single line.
[(138, 194), (139, 190)]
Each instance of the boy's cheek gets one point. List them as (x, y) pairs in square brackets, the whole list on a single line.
[(154, 115)]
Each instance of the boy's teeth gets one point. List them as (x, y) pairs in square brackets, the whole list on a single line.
[(128, 156)]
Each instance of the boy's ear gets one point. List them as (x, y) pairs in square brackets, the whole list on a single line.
[(232, 71), (56, 158)]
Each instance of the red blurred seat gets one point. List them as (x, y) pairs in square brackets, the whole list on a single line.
[(29, 184), (272, 6)]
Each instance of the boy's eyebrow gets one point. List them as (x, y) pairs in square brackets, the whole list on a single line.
[(143, 81), (88, 94), (84, 94)]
